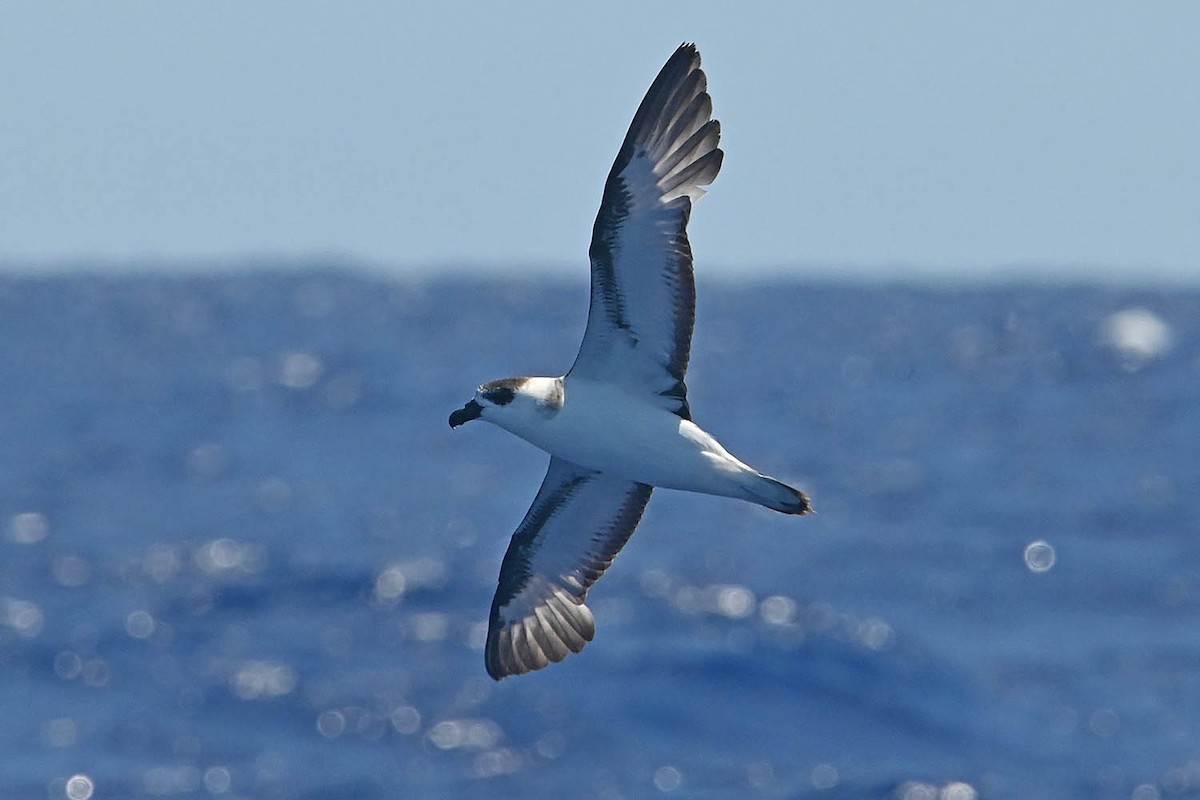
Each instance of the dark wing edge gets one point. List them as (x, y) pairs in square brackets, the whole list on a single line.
[(674, 127), (577, 524), (669, 153)]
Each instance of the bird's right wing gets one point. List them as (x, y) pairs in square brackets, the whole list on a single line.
[(578, 522)]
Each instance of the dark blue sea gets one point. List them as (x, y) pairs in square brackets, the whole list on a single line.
[(242, 554)]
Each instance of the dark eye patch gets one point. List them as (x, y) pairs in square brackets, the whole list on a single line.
[(501, 396)]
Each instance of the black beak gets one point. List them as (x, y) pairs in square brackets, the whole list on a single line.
[(470, 411)]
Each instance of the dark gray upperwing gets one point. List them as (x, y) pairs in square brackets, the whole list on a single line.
[(643, 301), (578, 522)]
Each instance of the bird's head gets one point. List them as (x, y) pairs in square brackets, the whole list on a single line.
[(512, 401)]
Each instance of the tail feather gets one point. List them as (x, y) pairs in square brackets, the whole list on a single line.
[(778, 496)]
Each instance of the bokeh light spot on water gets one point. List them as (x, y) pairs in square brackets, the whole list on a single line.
[(468, 734), (503, 761), (655, 583), (225, 556), (23, 616), (331, 724), (389, 585), (95, 673), (778, 610), (406, 720), (68, 665), (824, 776), (735, 602), (140, 625), (79, 787), (1137, 336), (28, 527), (430, 626), (217, 780), (299, 371), (916, 790), (207, 462), (162, 563), (259, 680), (874, 634), (727, 600), (1181, 779), (1146, 791), (1040, 556), (667, 778), (958, 791), (477, 635)]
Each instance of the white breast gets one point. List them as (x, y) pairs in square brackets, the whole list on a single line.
[(604, 428)]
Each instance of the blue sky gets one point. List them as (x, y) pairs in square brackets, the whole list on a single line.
[(891, 139)]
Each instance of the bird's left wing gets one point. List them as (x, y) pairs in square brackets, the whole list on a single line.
[(578, 522), (643, 301)]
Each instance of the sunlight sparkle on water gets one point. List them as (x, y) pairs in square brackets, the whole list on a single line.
[(958, 791), (334, 722), (470, 734), (777, 610), (1039, 556), (389, 586), (227, 556), (79, 787), (331, 724), (406, 720), (140, 625), (429, 626), (258, 680), (503, 761), (217, 780), (28, 527), (667, 779), (299, 371), (824, 776), (919, 790), (735, 602), (1137, 336), (23, 616), (162, 563)]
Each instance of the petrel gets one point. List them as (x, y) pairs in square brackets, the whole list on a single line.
[(618, 423)]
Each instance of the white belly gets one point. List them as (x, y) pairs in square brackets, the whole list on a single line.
[(605, 429)]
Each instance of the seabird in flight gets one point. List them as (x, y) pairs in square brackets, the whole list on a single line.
[(618, 423)]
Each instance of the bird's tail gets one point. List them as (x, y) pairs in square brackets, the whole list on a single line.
[(777, 495)]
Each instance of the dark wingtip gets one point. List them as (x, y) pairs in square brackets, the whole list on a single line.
[(805, 506)]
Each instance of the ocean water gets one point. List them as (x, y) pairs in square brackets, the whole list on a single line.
[(242, 554)]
